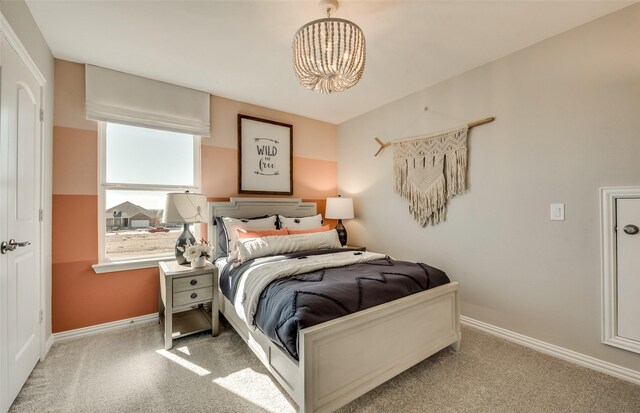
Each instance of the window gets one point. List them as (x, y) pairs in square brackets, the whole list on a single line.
[(138, 166)]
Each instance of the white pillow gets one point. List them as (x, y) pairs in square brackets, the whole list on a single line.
[(231, 224), (251, 248), (301, 223)]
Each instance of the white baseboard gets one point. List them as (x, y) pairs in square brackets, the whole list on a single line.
[(538, 345), (47, 345), (102, 328), (556, 351)]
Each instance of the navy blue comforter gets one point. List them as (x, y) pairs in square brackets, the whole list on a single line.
[(290, 304)]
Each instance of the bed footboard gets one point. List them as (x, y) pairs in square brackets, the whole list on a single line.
[(342, 359)]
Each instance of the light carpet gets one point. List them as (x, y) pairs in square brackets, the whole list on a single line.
[(128, 371)]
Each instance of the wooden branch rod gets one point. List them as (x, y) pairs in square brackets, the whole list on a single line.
[(469, 125)]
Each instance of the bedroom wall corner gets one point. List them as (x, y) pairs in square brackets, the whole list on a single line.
[(566, 125)]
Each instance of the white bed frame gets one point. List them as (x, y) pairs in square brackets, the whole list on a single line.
[(342, 359)]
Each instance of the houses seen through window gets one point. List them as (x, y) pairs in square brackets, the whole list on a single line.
[(140, 166)]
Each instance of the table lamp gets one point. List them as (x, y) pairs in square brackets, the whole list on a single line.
[(340, 208), (184, 208)]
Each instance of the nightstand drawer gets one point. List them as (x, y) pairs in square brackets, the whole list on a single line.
[(191, 283), (192, 296)]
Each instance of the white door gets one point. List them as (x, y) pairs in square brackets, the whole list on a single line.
[(628, 263), (19, 207)]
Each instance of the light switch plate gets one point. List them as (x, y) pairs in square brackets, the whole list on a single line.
[(557, 212)]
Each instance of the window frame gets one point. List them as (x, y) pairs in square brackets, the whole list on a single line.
[(105, 264)]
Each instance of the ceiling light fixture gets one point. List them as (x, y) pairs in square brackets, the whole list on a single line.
[(329, 54)]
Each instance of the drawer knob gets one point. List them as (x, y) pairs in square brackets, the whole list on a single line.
[(194, 295), (194, 282)]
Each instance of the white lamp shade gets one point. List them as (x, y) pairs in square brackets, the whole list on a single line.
[(185, 208), (339, 208)]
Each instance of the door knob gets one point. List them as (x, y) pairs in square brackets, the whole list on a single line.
[(630, 229), (11, 245), (5, 247)]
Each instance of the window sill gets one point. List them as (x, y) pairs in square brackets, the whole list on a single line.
[(115, 266)]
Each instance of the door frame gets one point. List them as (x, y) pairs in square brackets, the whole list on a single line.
[(608, 199), (12, 38)]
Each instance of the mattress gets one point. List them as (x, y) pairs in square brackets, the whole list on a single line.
[(281, 295)]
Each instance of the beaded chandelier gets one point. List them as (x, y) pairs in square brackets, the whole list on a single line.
[(329, 54)]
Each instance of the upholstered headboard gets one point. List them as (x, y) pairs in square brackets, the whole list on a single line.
[(255, 207)]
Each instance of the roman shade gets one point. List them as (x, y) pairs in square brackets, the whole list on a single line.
[(119, 97)]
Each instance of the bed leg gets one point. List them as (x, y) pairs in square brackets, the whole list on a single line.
[(455, 346)]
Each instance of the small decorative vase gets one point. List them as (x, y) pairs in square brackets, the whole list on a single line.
[(198, 262)]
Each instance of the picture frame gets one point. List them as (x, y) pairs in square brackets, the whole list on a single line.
[(265, 156)]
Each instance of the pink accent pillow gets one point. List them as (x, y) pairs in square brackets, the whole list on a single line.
[(247, 233), (309, 231)]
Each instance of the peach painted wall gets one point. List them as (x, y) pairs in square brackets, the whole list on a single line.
[(82, 298)]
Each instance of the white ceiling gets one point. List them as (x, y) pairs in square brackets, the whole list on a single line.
[(242, 49)]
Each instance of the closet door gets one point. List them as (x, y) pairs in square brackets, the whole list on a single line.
[(19, 205), (628, 263)]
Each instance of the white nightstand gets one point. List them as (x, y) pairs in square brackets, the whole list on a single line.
[(183, 293)]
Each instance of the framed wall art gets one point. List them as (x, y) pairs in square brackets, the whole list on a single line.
[(265, 156)]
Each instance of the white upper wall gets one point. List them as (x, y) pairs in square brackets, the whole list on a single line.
[(19, 17), (567, 124)]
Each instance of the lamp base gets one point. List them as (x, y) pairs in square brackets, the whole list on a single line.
[(182, 242), (342, 233)]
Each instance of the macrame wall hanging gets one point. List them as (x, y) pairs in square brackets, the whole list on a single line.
[(429, 170)]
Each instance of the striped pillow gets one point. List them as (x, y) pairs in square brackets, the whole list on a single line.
[(249, 249)]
